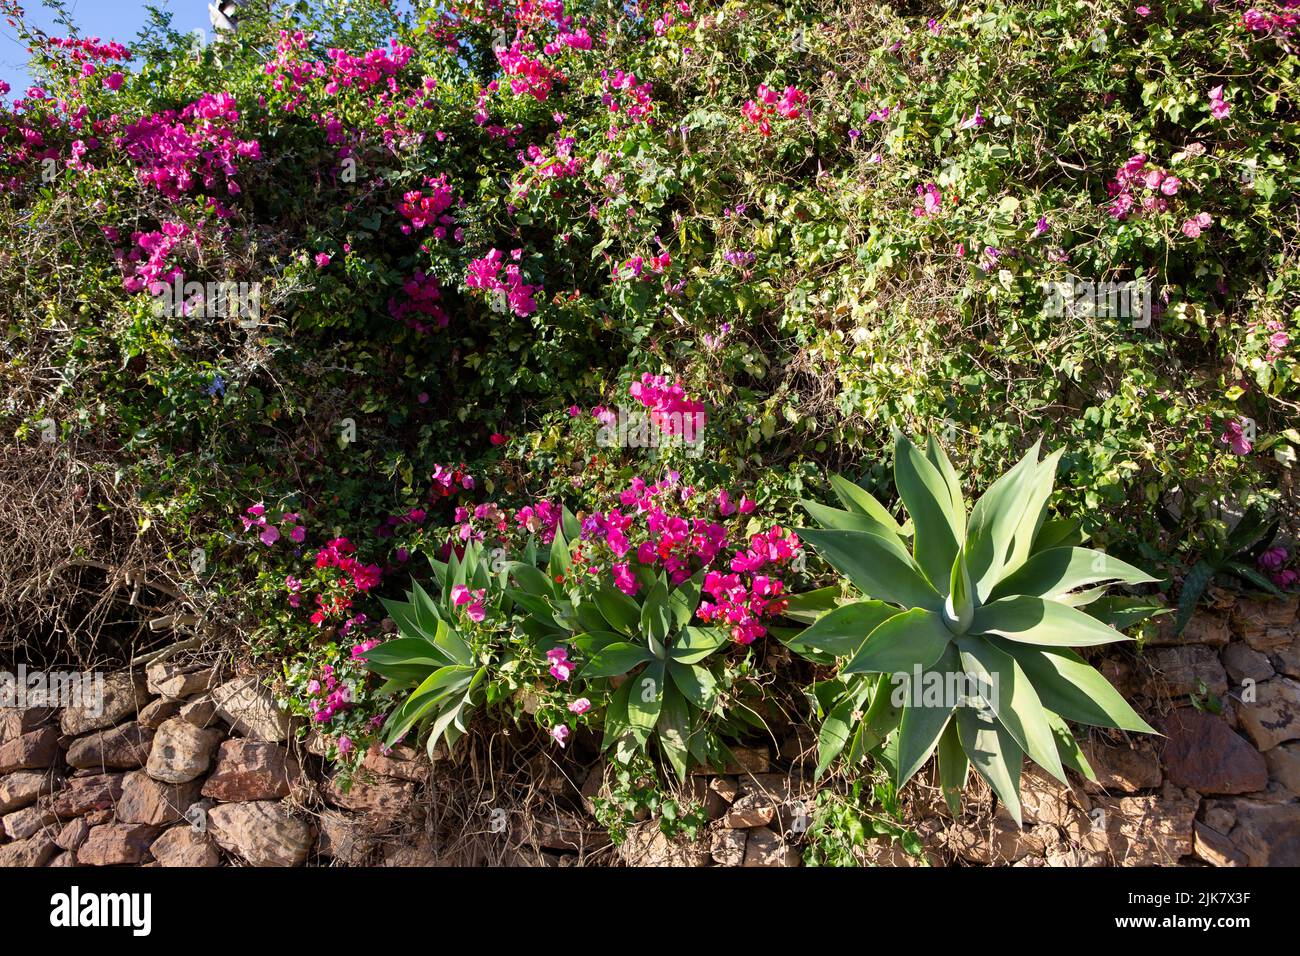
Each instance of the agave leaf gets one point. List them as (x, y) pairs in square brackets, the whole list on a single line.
[(835, 731), (1068, 748), (994, 754), (1123, 612), (406, 650), (954, 767), (995, 520), (844, 630), (922, 725), (1033, 620), (593, 642), (935, 453), (1068, 685), (811, 605), (959, 608), (1013, 701), (1035, 511), (685, 598), (696, 683), (915, 638), (616, 659), (928, 500), (836, 519), (876, 567), (1061, 570), (856, 498), (530, 579), (674, 731), (1249, 574), (645, 699), (623, 613), (616, 719), (694, 644), (881, 719), (1058, 533)]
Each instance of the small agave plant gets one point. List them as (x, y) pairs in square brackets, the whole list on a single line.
[(962, 644)]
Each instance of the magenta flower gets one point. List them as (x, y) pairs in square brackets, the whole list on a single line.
[(560, 734), (1234, 437), (1219, 107), (561, 667), (322, 260), (1272, 559), (580, 706)]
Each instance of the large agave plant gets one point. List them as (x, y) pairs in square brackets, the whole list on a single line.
[(962, 644)]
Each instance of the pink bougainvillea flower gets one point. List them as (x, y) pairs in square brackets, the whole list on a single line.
[(1193, 227), (1272, 559), (1219, 107), (931, 200), (497, 438), (1143, 11), (1234, 437), (270, 535), (580, 706), (322, 260), (561, 667), (560, 734), (345, 745)]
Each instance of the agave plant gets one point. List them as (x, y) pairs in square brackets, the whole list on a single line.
[(432, 660), (645, 657), (963, 643)]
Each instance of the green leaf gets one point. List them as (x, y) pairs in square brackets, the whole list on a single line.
[(1039, 492), (696, 683), (685, 598), (1008, 691), (1068, 748), (994, 754), (842, 631), (694, 644), (922, 724), (645, 699), (928, 500), (1068, 685), (530, 579), (811, 605), (915, 638), (1032, 620), (1194, 585), (994, 522), (623, 613), (856, 498), (838, 520), (879, 569), (673, 731), (1057, 571), (616, 659), (956, 503), (954, 767), (616, 720)]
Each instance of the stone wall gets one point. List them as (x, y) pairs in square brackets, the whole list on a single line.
[(185, 766)]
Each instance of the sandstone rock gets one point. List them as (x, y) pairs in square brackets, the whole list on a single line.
[(343, 838), (1273, 717), (1242, 661), (1203, 753), (17, 790), (1126, 768), (1284, 765), (1043, 799), (405, 763), (1287, 659), (181, 751), (35, 750), (250, 710), (418, 854), (1151, 830), (67, 858), (146, 800), (124, 694), (744, 760), (1204, 627), (251, 770), (261, 832), (115, 844), (183, 846), (1064, 855), (16, 721), (167, 679), (751, 810), (156, 711), (1193, 669), (73, 834), (727, 847), (36, 850), (24, 823), (378, 796), (646, 845), (1264, 623), (765, 848), (1267, 834), (117, 748), (1003, 842), (85, 794), (560, 831), (1215, 848), (201, 712)]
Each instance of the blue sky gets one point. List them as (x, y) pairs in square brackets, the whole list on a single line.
[(108, 19)]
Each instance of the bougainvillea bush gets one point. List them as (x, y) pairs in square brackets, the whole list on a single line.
[(344, 297)]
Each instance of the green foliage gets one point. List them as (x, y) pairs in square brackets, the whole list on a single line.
[(962, 645)]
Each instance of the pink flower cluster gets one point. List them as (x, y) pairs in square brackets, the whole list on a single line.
[(421, 208), (1139, 185), (759, 112), (931, 200), (487, 274), (625, 95), (423, 299), (326, 701), (561, 667), (363, 72), (472, 601), (290, 525), (741, 606), (1271, 561), (176, 152), (145, 264), (671, 410), (1281, 23), (448, 481), (540, 518), (527, 74), (337, 553)]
